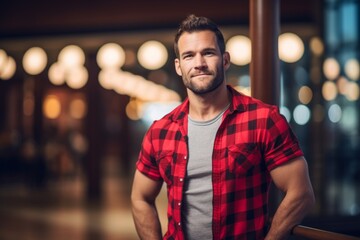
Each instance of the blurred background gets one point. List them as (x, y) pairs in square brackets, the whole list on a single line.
[(81, 81)]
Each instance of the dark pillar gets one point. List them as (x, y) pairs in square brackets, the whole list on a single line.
[(264, 67), (94, 129)]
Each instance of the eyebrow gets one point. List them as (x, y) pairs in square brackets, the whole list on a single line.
[(204, 50), (186, 53)]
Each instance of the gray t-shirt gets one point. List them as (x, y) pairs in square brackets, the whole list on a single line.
[(198, 192)]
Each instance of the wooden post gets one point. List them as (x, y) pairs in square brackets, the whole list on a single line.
[(94, 124), (264, 66)]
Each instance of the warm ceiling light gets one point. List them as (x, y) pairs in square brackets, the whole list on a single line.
[(291, 47), (71, 56), (305, 94), (152, 55), (77, 108), (110, 55), (134, 109), (77, 77), (9, 69), (317, 46), (239, 48), (52, 107), (107, 77), (34, 60), (56, 74), (3, 59)]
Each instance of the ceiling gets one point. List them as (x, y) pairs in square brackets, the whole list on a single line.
[(24, 18)]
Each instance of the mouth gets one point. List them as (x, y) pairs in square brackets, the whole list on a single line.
[(201, 74)]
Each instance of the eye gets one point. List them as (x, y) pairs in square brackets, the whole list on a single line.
[(187, 56), (209, 53)]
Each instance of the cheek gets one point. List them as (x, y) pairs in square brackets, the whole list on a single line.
[(183, 69)]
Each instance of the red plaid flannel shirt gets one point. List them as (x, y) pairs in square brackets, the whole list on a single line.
[(252, 139)]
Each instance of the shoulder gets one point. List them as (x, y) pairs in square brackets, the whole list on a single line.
[(244, 103)]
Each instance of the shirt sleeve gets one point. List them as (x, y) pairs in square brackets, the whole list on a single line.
[(281, 144), (146, 162)]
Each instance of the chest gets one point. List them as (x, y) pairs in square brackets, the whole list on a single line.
[(233, 152)]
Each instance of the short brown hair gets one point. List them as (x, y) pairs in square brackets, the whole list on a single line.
[(192, 24)]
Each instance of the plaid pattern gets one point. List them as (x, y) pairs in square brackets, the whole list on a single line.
[(252, 140)]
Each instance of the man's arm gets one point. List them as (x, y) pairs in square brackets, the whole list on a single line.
[(143, 195), (293, 179)]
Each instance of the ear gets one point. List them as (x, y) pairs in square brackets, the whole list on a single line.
[(226, 60), (177, 67)]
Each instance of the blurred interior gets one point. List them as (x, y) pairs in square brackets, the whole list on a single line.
[(69, 137)]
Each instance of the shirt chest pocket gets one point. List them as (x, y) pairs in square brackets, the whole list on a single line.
[(242, 159), (165, 161)]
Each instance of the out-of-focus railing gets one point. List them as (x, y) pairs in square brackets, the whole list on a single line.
[(317, 234)]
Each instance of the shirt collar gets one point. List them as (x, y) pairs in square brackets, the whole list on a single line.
[(238, 104)]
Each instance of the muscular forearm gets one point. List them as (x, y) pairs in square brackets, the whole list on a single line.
[(146, 220), (290, 213)]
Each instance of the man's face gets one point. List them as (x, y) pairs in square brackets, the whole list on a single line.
[(200, 62)]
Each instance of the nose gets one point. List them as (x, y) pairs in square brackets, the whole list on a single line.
[(200, 62)]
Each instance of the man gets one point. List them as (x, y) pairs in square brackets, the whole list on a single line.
[(217, 153)]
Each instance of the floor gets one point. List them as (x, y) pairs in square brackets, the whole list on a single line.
[(60, 212)]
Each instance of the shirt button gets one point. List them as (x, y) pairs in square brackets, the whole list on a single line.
[(185, 157), (181, 179), (179, 224), (179, 203)]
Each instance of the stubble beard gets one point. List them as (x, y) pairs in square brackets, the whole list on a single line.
[(212, 84)]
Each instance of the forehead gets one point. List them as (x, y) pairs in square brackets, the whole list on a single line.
[(197, 40)]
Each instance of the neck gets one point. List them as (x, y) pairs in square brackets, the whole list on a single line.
[(207, 106)]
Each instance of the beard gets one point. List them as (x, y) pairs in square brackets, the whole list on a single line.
[(203, 86)]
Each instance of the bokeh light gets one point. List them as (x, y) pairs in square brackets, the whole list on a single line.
[(352, 91), (110, 55), (291, 47), (34, 60), (107, 77), (77, 77), (3, 59), (329, 90), (52, 107), (331, 68), (8, 69), (350, 119), (239, 48), (286, 113), (334, 113), (352, 69), (77, 108), (134, 109), (71, 56), (305, 94), (317, 46), (57, 73), (301, 114), (342, 84), (152, 55), (155, 110)]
